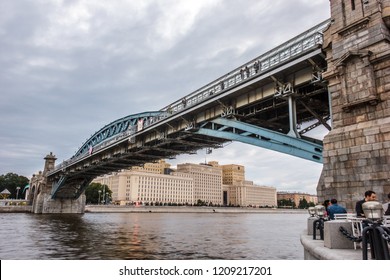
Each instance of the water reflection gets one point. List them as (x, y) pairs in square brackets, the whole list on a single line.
[(152, 236)]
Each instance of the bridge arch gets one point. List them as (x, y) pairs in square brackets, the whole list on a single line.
[(129, 124)]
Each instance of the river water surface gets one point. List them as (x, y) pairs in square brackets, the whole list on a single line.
[(152, 236)]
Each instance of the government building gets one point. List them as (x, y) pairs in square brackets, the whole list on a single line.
[(212, 184)]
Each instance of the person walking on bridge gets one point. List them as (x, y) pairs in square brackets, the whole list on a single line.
[(334, 208)]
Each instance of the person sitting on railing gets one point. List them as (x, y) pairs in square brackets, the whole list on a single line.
[(334, 208)]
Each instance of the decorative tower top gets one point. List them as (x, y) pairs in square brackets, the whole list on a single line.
[(49, 162)]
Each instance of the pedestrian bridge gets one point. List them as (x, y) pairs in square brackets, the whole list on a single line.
[(271, 102)]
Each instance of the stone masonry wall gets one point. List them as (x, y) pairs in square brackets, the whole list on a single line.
[(357, 150)]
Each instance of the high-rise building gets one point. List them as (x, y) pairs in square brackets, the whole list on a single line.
[(232, 173), (207, 181)]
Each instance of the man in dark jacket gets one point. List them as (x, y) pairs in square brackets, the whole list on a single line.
[(368, 196), (334, 208)]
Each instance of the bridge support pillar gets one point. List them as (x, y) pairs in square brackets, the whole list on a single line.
[(42, 202), (357, 150)]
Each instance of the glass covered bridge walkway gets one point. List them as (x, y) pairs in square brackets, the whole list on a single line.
[(270, 102)]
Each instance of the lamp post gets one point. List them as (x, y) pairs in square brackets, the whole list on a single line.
[(319, 223), (99, 191), (312, 211), (106, 198), (374, 232), (17, 192), (104, 194)]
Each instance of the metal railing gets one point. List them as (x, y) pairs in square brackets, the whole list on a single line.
[(293, 48)]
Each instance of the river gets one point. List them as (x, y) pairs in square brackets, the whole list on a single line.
[(152, 236)]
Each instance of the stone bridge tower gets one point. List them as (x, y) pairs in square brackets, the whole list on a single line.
[(357, 150), (40, 195)]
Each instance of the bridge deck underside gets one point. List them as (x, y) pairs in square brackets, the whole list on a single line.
[(119, 158)]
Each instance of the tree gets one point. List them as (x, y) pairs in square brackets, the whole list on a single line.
[(303, 204), (92, 194), (286, 203), (11, 182)]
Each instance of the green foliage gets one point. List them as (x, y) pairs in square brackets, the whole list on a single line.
[(11, 181), (304, 204), (92, 194), (201, 203), (286, 203)]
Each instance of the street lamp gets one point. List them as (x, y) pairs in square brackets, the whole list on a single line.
[(99, 191), (312, 211), (106, 198), (373, 210), (17, 192), (104, 194), (320, 210)]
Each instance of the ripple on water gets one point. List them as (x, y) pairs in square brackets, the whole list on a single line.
[(154, 236)]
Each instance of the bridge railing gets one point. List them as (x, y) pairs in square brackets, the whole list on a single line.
[(296, 46)]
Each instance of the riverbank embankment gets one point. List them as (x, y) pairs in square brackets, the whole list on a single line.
[(160, 209), (185, 209), (16, 209)]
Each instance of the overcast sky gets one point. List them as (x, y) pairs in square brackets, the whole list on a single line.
[(67, 68)]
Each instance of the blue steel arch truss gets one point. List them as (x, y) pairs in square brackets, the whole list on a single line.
[(118, 127), (262, 137)]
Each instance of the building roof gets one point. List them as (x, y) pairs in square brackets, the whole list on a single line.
[(5, 191)]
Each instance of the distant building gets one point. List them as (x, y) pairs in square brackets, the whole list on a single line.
[(141, 187), (233, 173), (152, 183), (159, 167), (207, 181), (210, 183), (239, 192), (296, 197), (247, 194)]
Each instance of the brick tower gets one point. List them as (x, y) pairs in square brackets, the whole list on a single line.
[(357, 150)]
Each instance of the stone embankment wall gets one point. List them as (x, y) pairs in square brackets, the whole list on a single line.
[(178, 209)]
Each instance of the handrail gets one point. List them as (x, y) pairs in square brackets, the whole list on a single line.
[(263, 63)]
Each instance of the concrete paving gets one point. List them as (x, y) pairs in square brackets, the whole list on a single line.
[(315, 250)]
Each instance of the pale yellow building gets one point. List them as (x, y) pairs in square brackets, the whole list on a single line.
[(140, 187), (297, 197), (246, 193), (154, 167), (210, 183), (232, 173), (207, 181)]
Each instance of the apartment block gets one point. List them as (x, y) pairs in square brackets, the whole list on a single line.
[(297, 197)]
